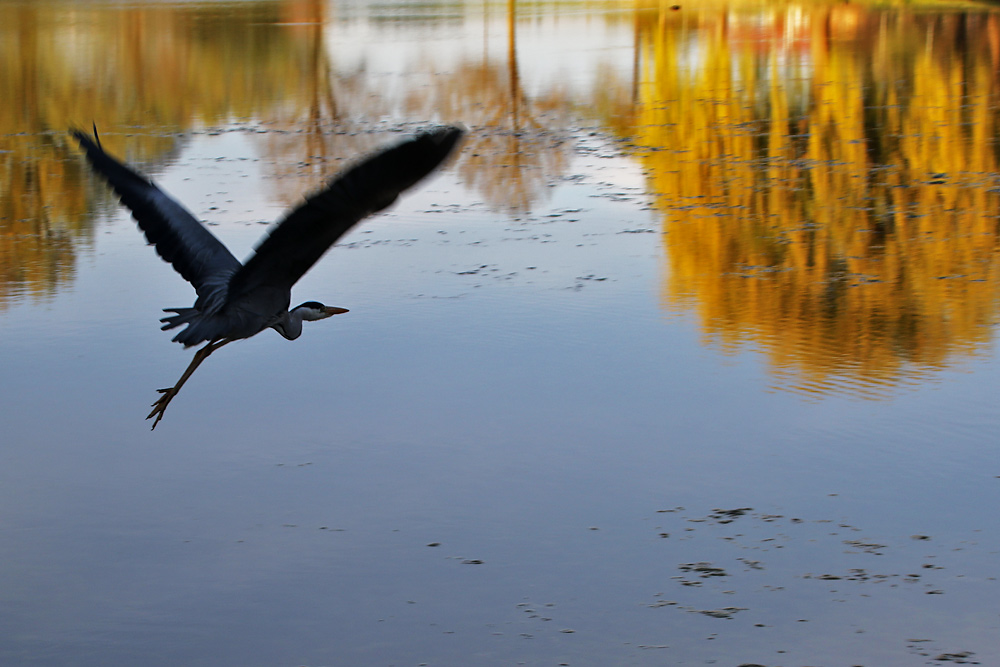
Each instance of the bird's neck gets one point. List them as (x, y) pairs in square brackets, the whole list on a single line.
[(290, 325)]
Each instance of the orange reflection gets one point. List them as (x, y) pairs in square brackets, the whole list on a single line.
[(826, 176), (826, 173), (165, 68)]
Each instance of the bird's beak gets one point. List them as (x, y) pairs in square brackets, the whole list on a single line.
[(333, 310)]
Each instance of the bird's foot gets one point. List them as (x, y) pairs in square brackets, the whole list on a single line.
[(160, 406)]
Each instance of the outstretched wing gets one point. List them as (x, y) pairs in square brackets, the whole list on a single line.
[(179, 238), (295, 244)]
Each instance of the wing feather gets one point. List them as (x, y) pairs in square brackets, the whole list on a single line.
[(179, 238), (306, 233)]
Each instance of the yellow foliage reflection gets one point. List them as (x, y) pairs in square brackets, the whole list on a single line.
[(826, 173), (164, 69), (827, 181), (154, 67)]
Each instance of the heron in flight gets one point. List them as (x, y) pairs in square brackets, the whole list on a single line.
[(240, 300)]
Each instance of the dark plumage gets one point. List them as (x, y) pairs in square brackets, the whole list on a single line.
[(240, 300)]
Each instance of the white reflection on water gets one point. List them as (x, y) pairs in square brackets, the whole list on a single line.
[(506, 388)]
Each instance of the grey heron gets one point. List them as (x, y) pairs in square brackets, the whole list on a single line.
[(239, 300)]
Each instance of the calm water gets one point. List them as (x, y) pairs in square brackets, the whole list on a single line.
[(689, 358)]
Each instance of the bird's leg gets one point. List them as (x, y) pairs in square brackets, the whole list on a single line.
[(160, 406)]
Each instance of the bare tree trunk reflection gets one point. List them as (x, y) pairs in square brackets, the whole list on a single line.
[(515, 151), (301, 163), (515, 84)]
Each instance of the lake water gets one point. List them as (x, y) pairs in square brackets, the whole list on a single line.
[(688, 358)]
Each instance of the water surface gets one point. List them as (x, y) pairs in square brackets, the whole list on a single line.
[(688, 358)]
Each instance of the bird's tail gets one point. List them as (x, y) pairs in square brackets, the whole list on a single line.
[(200, 327), (180, 316)]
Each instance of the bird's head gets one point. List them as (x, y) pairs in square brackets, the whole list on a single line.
[(314, 310)]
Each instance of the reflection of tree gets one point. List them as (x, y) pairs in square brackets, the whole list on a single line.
[(160, 68), (166, 69), (511, 158), (39, 228), (309, 136), (510, 165), (847, 225), (517, 149)]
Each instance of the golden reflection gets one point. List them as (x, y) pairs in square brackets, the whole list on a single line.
[(826, 172), (67, 65), (164, 69), (42, 218), (827, 179)]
